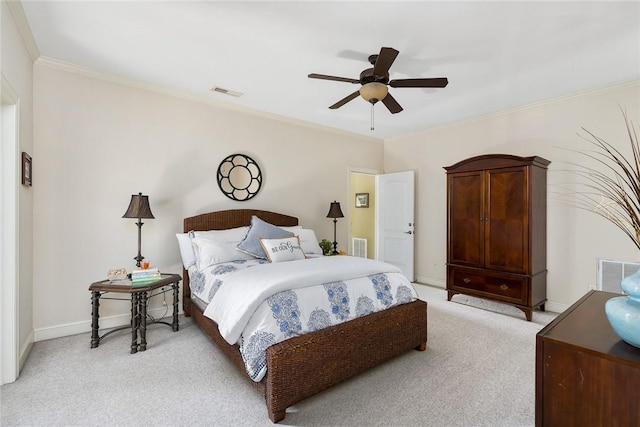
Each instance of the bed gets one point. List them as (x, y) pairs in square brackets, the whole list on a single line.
[(339, 352)]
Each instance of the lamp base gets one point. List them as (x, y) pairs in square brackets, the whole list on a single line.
[(138, 259), (335, 244)]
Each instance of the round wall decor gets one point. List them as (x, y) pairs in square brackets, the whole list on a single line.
[(239, 177)]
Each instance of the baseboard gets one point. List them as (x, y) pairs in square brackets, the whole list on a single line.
[(125, 319), (25, 350), (106, 322), (432, 281), (555, 307)]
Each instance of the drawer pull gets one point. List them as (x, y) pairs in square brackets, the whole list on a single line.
[(504, 287), (466, 280)]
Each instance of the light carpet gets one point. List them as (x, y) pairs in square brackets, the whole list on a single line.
[(478, 370)]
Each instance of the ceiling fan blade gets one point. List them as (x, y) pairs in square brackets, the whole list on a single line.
[(338, 79), (345, 100), (436, 82), (391, 103), (385, 59)]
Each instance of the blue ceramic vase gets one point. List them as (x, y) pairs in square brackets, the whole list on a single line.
[(624, 312)]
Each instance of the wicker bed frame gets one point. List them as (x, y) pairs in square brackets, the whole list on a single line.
[(305, 365)]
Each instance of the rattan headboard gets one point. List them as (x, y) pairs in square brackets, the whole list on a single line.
[(221, 220)]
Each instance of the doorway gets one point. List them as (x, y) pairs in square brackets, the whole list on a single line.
[(362, 218), (381, 217)]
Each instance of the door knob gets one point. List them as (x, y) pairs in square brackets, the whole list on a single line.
[(408, 232)]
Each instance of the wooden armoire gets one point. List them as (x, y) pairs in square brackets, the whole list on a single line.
[(497, 229)]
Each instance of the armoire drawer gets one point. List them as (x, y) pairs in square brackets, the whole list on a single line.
[(506, 287)]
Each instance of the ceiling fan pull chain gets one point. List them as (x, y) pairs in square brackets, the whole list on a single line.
[(372, 104)]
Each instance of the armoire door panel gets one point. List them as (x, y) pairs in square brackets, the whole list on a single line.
[(466, 219), (506, 243)]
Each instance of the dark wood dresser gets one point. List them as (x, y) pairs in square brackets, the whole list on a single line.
[(497, 229), (585, 374)]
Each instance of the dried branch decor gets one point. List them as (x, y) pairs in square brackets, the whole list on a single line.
[(613, 190)]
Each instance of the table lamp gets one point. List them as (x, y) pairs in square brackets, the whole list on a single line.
[(139, 208), (335, 212)]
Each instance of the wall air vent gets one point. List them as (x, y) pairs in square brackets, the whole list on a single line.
[(611, 272), (226, 91), (359, 247)]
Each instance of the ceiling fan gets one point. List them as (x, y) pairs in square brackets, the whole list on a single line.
[(374, 82)]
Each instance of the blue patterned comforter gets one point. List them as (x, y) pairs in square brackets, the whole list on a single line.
[(287, 299)]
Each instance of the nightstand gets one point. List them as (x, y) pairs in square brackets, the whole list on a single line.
[(139, 296)]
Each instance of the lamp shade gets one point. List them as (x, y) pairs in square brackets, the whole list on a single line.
[(335, 211), (374, 92), (138, 207)]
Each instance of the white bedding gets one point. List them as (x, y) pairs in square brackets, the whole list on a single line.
[(257, 304)]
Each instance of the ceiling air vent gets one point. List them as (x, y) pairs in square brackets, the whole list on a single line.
[(226, 91)]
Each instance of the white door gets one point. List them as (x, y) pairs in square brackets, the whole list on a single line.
[(394, 223)]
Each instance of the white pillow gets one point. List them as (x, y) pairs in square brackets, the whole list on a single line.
[(216, 234), (216, 246), (285, 249), (308, 240), (186, 250)]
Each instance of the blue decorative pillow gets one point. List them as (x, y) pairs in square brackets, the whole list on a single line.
[(260, 229)]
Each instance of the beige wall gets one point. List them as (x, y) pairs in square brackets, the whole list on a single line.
[(97, 142), (576, 239), (16, 65)]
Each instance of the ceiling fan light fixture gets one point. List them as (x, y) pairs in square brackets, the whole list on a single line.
[(373, 92)]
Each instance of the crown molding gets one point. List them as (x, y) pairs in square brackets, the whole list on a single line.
[(550, 101), (89, 72), (15, 7)]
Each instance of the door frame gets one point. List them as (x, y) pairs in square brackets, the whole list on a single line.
[(9, 126)]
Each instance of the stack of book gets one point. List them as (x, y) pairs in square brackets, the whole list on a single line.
[(147, 275)]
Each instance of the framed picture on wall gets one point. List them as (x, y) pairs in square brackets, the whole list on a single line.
[(362, 200), (27, 170)]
